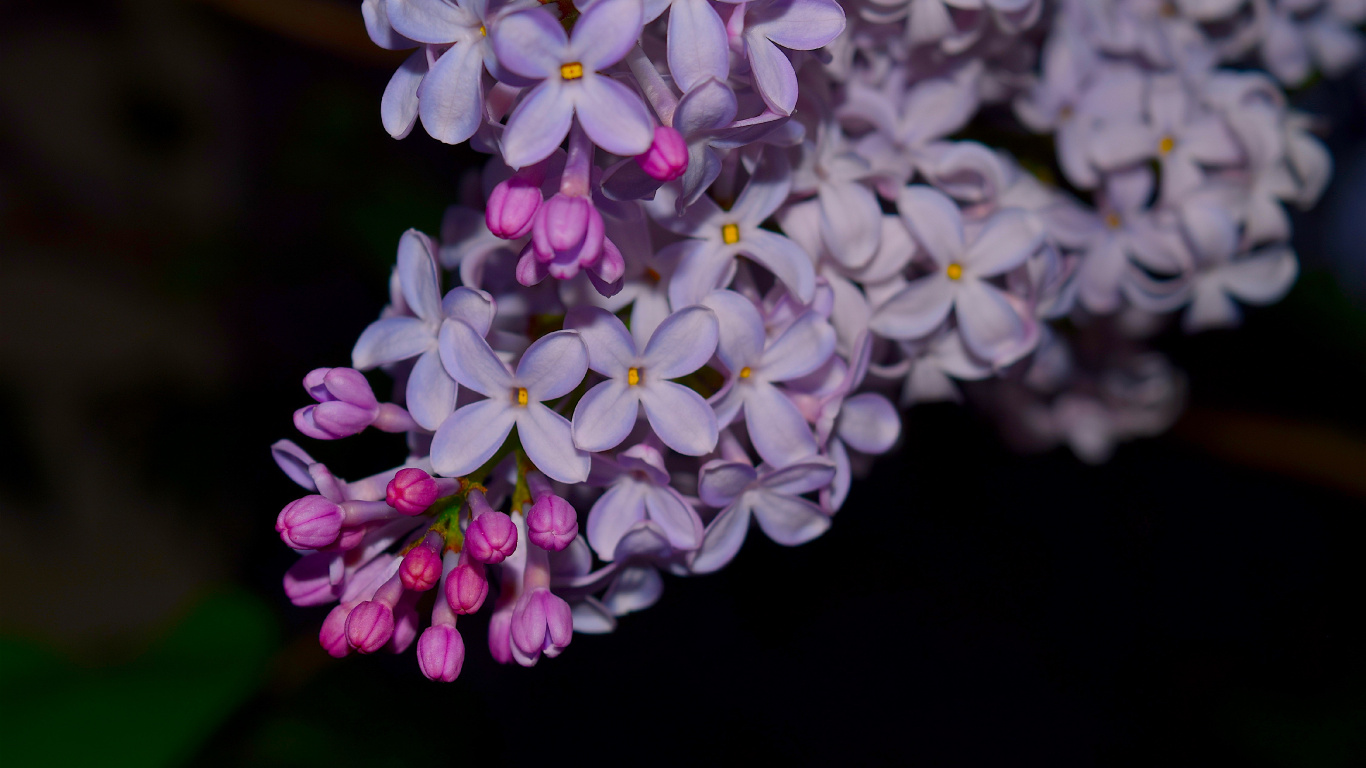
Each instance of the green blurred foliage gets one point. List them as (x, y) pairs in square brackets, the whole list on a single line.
[(155, 710)]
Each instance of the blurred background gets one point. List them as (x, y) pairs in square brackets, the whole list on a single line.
[(198, 205)]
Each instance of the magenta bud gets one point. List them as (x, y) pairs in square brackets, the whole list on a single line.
[(332, 636), (420, 570), (411, 491), (511, 208), (346, 404), (552, 523), (542, 622), (369, 626), (563, 224), (466, 588), (441, 653), (491, 537), (309, 523), (667, 157)]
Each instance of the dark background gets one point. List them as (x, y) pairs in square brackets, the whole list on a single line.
[(198, 205)]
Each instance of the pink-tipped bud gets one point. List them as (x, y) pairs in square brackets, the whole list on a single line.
[(491, 537), (346, 404), (309, 523), (411, 491), (332, 636), (552, 523), (370, 626), (511, 208), (542, 622), (466, 588), (667, 157), (441, 653), (420, 570)]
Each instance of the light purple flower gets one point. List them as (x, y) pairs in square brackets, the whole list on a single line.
[(706, 260), (430, 392), (639, 490), (775, 425), (636, 380), (532, 44), (800, 25), (771, 496), (550, 368), (994, 324)]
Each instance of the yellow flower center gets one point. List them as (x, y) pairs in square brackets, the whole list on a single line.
[(633, 376), (730, 234), (652, 274), (955, 271), (571, 71), (745, 372), (483, 32), (1166, 145), (521, 396), (1112, 220)]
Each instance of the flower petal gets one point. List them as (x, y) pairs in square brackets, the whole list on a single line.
[(451, 99), (991, 326), (471, 436), (417, 275), (740, 329), (390, 340), (538, 124), (680, 417), (622, 506), (934, 220), (531, 43), (548, 441), (613, 115), (869, 423), (720, 482), (471, 361), (611, 350), (431, 391), (684, 342), (605, 32), (702, 266), (606, 414), (773, 76), (697, 48), (789, 520), (776, 427), (398, 106), (801, 349), (785, 259), (802, 25), (471, 305), (553, 365), (634, 589), (916, 310), (851, 222), (721, 540), (678, 520), (1009, 237)]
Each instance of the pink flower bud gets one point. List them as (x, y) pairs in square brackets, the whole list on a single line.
[(332, 636), (491, 537), (466, 588), (346, 406), (421, 569), (441, 653), (542, 622), (411, 491), (667, 157), (370, 626), (309, 523), (500, 636), (512, 207), (552, 523)]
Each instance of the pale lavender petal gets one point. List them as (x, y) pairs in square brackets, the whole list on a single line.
[(605, 32), (684, 342), (678, 520), (801, 349), (708, 105), (622, 506), (548, 441), (390, 340), (538, 124), (765, 192), (991, 326), (471, 436), (431, 391), (722, 539), (721, 482), (776, 427), (1005, 242), (634, 589), (470, 305), (785, 259), (532, 44), (417, 274), (470, 361), (377, 25), (680, 417), (789, 520), (726, 404), (611, 350), (916, 310), (773, 75), (934, 220), (804, 477), (741, 329), (294, 461), (612, 115), (702, 266), (398, 106), (451, 99), (697, 47), (605, 415), (1263, 276), (431, 21), (802, 25), (869, 423), (851, 222), (553, 365)]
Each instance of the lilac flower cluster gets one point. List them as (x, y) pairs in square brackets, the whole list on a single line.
[(716, 241)]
